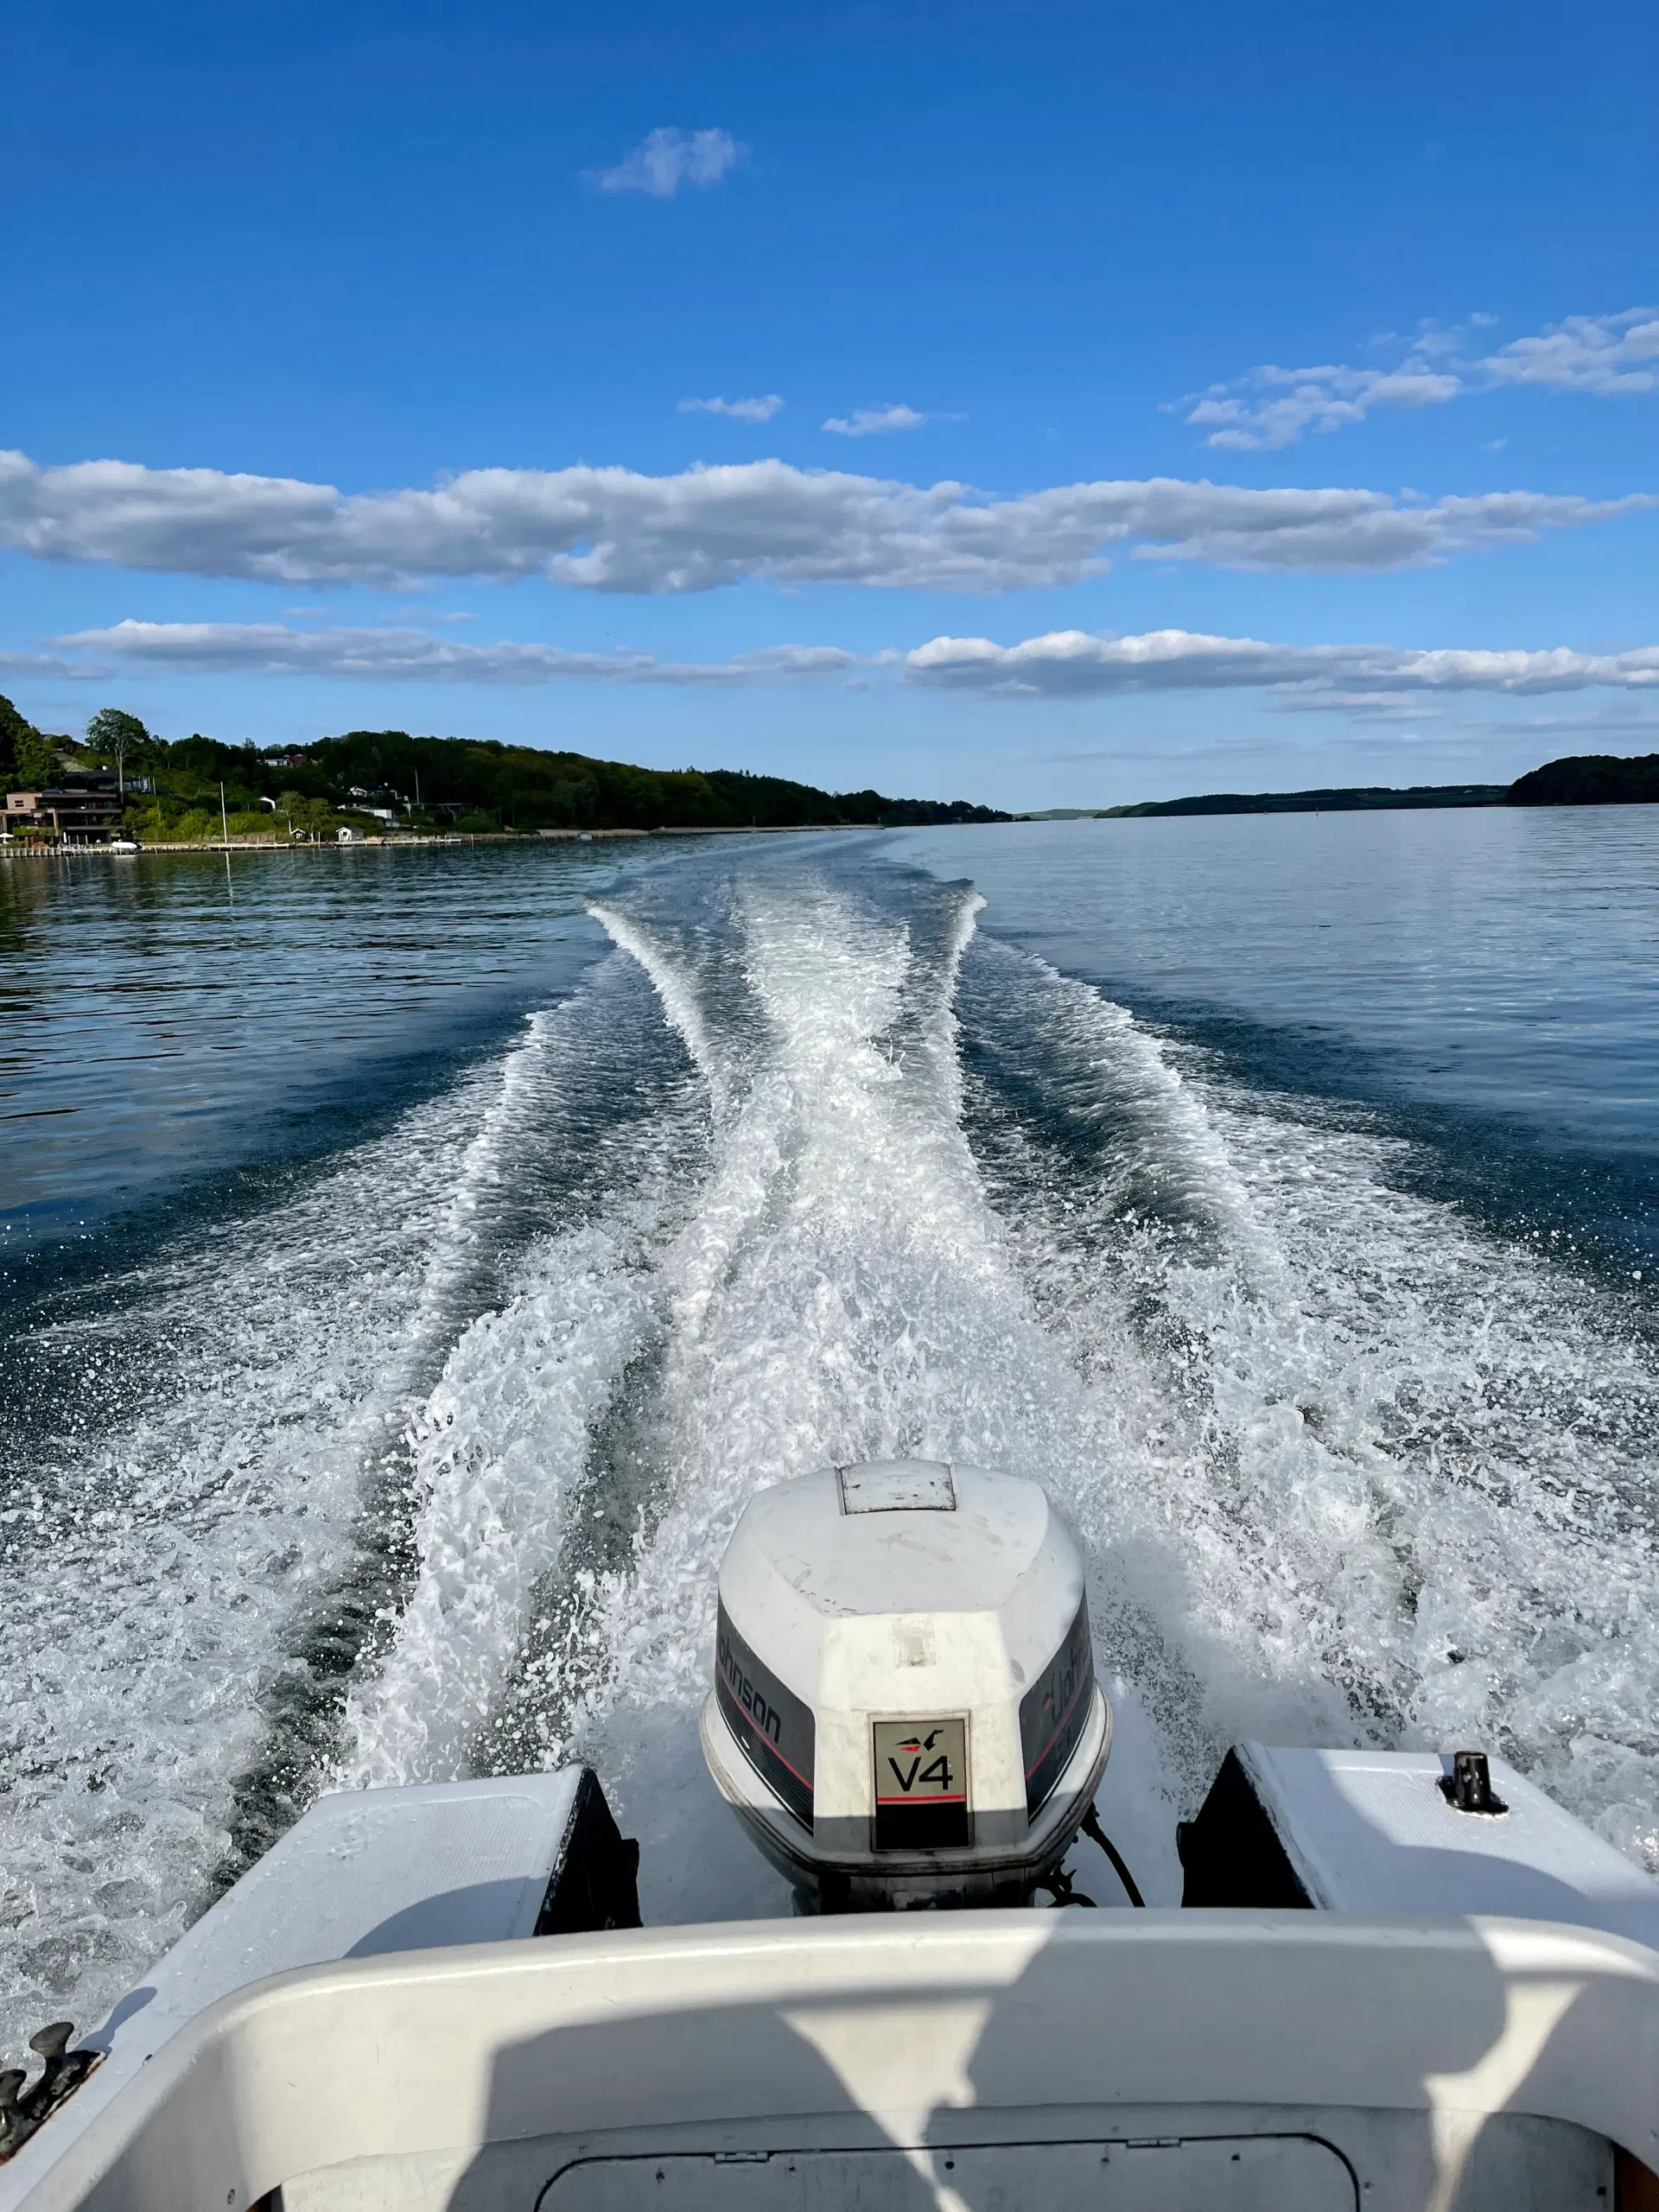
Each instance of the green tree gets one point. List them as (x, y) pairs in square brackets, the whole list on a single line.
[(37, 761), (572, 801), (114, 735), (13, 732)]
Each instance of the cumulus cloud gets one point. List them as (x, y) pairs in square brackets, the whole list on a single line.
[(408, 655), (740, 410), (664, 160), (875, 422), (1270, 407), (1079, 665), (1386, 683), (1587, 353), (614, 529)]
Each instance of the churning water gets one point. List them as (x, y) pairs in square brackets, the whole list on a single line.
[(400, 1439)]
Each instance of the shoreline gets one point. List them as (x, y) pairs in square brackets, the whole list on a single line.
[(108, 851)]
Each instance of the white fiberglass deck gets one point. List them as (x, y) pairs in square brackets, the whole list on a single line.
[(1231, 2062)]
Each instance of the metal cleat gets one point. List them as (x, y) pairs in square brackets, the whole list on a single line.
[(62, 2071)]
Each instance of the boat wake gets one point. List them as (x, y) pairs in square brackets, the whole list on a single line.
[(809, 1169)]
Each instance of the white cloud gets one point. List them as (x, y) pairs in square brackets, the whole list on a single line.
[(875, 422), (1315, 399), (1270, 407), (1607, 726), (1587, 353), (12, 664), (614, 529), (740, 410), (664, 160), (1078, 664), (407, 655), (1386, 683)]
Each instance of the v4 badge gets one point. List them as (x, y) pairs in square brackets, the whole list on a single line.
[(921, 1784)]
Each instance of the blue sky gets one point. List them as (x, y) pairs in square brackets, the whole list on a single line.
[(1231, 398)]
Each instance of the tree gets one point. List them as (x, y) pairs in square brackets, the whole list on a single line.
[(572, 801), (37, 761), (114, 735), (13, 732)]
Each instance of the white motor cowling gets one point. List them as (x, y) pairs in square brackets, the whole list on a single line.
[(904, 1710)]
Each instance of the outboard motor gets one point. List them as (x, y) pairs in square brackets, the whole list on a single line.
[(905, 1711)]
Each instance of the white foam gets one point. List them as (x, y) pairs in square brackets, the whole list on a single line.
[(1395, 1489), (1218, 1386), (134, 1657), (498, 1449), (1349, 1468), (285, 1368)]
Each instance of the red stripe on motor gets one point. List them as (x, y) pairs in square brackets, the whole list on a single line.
[(1087, 1684), (765, 1742)]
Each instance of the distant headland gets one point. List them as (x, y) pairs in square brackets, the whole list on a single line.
[(1352, 798), (1589, 779), (1582, 780)]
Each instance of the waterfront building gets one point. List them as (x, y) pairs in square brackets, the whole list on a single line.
[(80, 809)]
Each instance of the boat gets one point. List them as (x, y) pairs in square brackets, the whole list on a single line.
[(1398, 1982)]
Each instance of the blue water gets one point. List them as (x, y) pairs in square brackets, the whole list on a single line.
[(413, 1260), (176, 1013), (1490, 976)]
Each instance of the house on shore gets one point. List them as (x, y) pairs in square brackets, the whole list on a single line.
[(79, 809)]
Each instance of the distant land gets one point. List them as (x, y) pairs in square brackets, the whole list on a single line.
[(1589, 779), (1344, 799), (527, 789), (190, 787), (1582, 780), (173, 790)]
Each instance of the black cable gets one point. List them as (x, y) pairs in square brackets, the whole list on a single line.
[(1092, 1828)]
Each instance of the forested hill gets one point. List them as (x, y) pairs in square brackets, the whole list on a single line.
[(530, 789), (1589, 779), (470, 782)]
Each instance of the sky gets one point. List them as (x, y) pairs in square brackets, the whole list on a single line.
[(1046, 406)]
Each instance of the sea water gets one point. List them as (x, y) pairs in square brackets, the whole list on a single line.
[(414, 1259)]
